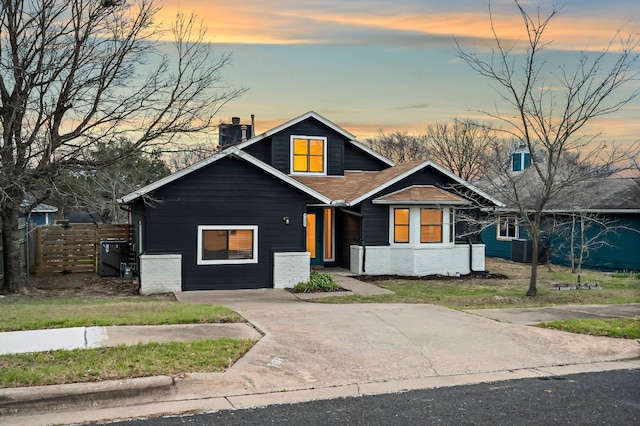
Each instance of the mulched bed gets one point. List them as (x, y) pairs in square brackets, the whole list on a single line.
[(435, 277)]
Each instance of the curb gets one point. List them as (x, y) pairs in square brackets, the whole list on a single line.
[(38, 399)]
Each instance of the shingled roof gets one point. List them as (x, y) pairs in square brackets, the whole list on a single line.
[(606, 194), (421, 194)]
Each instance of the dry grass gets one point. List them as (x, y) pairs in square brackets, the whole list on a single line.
[(491, 292)]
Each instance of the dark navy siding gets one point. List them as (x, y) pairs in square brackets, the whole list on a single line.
[(261, 150), (228, 192), (375, 229), (281, 146), (357, 159)]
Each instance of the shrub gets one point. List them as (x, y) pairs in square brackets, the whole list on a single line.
[(318, 281)]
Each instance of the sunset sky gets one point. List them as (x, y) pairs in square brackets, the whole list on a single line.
[(391, 65)]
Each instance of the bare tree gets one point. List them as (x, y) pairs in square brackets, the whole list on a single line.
[(400, 147), (554, 115), (461, 147), (74, 73), (579, 233), (95, 190), (184, 155)]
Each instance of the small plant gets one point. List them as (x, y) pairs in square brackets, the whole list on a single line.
[(318, 281)]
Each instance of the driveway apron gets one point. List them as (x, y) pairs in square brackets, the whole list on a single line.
[(311, 345)]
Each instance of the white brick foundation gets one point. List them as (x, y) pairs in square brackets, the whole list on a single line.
[(417, 261), (290, 268), (160, 273)]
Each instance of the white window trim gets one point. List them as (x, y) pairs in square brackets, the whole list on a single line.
[(324, 156), (414, 225), (498, 228), (254, 259)]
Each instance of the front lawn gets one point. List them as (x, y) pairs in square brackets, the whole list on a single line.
[(120, 362), (110, 363), (22, 313), (508, 292), (627, 328)]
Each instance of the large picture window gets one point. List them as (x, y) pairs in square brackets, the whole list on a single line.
[(227, 244), (421, 225), (430, 226), (507, 227), (308, 154)]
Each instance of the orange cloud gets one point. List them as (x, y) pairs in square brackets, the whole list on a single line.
[(296, 23)]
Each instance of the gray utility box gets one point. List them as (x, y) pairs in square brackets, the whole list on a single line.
[(112, 254)]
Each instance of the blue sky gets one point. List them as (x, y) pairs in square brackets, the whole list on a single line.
[(391, 65)]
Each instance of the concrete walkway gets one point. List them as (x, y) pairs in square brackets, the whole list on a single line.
[(313, 351), (530, 316)]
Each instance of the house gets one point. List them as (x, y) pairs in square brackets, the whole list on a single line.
[(40, 214), (599, 217), (259, 213)]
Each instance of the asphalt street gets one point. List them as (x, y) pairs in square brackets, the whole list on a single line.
[(606, 398)]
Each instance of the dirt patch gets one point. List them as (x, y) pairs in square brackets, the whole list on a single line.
[(84, 285)]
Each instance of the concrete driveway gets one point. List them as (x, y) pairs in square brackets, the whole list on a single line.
[(310, 345), (313, 351)]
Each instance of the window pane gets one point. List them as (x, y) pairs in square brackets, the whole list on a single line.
[(311, 234), (316, 165), (430, 217), (241, 244), (214, 245), (431, 234), (308, 155), (227, 244), (316, 147), (300, 146), (430, 226), (401, 225), (401, 216), (508, 227), (300, 163), (401, 234)]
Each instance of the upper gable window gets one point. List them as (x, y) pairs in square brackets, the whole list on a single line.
[(308, 155)]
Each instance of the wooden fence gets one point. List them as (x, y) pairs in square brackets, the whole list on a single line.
[(74, 248)]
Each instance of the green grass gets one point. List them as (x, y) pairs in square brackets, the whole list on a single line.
[(120, 362), (627, 328), (480, 294), (57, 312)]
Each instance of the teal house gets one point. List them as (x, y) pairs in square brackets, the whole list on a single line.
[(595, 224)]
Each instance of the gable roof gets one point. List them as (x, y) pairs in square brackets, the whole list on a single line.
[(312, 114), (350, 189), (420, 194), (355, 187), (229, 152)]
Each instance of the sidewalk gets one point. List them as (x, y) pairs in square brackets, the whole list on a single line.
[(315, 351)]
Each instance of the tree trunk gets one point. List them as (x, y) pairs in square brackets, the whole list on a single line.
[(534, 235), (533, 290), (14, 276)]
